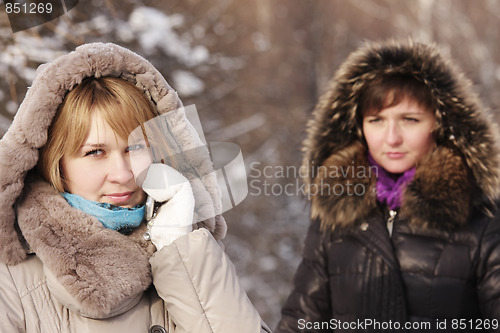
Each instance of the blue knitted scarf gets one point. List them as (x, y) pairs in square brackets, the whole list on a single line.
[(113, 217)]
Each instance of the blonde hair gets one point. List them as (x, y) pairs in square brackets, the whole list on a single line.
[(121, 104)]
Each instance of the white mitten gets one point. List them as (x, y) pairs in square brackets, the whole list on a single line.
[(174, 218)]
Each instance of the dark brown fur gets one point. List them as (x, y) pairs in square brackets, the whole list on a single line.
[(464, 169)]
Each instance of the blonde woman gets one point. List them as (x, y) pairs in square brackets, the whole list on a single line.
[(77, 255)]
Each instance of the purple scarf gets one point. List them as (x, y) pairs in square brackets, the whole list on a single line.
[(389, 190)]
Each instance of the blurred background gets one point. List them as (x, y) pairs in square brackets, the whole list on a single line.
[(254, 70)]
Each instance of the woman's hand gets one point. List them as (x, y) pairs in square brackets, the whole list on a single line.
[(174, 218)]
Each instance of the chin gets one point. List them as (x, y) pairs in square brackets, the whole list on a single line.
[(398, 167)]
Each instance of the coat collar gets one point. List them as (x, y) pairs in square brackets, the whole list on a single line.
[(463, 171), (440, 195), (19, 147), (95, 271)]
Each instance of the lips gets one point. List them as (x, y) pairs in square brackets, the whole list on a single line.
[(395, 155), (119, 198)]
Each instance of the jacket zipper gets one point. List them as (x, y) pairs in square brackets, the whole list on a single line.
[(390, 221)]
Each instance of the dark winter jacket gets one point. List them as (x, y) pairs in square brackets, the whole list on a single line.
[(441, 266)]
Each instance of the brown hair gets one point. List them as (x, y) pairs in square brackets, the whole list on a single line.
[(121, 104), (386, 91)]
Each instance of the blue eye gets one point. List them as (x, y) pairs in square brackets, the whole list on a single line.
[(135, 147), (94, 152)]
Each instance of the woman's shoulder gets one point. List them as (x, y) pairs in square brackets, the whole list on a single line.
[(26, 275), (484, 214), (487, 217)]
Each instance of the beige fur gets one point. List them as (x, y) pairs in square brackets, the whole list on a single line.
[(19, 146), (101, 269)]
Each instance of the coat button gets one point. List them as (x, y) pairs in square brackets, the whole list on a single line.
[(157, 329), (364, 226)]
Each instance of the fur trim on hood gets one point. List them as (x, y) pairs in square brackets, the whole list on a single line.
[(462, 171), (19, 148), (93, 270)]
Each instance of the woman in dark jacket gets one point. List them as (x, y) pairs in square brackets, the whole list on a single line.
[(403, 174)]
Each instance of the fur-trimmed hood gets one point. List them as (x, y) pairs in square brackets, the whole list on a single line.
[(462, 171), (101, 269)]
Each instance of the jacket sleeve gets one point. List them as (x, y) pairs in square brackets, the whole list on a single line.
[(11, 308), (199, 285), (489, 271), (309, 300)]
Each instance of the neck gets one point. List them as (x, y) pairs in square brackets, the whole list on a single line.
[(390, 187)]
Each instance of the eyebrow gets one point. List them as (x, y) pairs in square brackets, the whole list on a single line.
[(403, 113), (414, 113), (93, 145)]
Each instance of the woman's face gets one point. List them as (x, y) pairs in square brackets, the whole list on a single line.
[(101, 169), (400, 135)]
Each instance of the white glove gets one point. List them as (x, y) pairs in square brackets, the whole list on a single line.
[(174, 218)]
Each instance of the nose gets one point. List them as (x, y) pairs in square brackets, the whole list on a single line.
[(394, 135), (120, 170)]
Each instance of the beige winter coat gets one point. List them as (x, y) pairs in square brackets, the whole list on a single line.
[(34, 301), (62, 271)]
